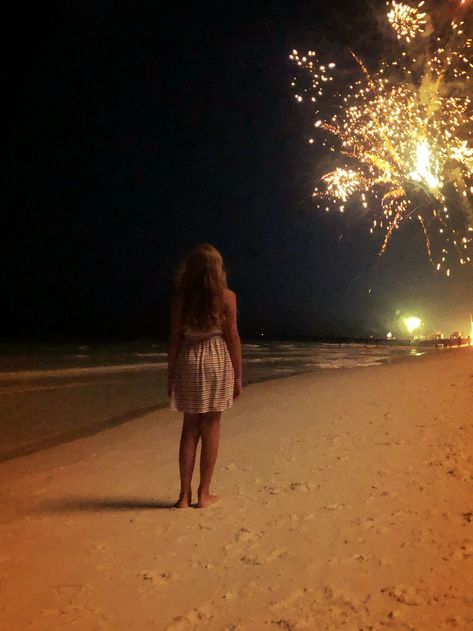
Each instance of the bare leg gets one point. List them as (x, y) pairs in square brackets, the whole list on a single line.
[(189, 438), (210, 433)]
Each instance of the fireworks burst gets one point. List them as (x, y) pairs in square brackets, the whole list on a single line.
[(342, 183), (406, 20), (405, 137)]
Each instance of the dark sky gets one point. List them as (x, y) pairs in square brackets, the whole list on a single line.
[(141, 130)]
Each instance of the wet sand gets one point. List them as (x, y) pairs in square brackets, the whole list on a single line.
[(346, 502)]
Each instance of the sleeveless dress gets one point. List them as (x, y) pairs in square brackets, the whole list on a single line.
[(204, 377)]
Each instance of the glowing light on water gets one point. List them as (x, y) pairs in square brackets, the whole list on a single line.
[(402, 136)]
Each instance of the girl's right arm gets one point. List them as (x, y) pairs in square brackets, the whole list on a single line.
[(174, 343), (232, 339)]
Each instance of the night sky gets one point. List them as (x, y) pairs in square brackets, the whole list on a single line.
[(140, 131)]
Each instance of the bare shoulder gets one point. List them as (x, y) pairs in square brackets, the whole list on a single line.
[(229, 297)]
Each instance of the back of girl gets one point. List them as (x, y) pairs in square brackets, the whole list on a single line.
[(204, 364)]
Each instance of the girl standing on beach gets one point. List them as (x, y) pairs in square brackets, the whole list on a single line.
[(204, 364)]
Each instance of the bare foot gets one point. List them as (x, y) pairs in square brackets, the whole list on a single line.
[(207, 500), (184, 501)]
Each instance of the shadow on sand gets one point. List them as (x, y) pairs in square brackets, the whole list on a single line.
[(79, 432), (95, 504)]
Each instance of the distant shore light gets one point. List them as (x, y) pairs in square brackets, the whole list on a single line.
[(412, 323)]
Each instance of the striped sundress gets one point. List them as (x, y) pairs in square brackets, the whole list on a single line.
[(204, 377)]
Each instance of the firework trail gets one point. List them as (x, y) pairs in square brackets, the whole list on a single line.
[(403, 134)]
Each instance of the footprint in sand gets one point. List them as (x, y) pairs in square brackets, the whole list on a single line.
[(75, 611), (285, 520), (460, 622), (229, 467), (205, 526), (195, 619), (404, 594), (367, 524), (232, 466), (157, 578), (245, 536), (460, 474), (272, 490), (229, 596), (242, 539), (103, 567), (68, 590), (289, 459), (334, 506), (248, 589), (291, 599), (205, 565), (334, 609), (249, 559), (465, 551), (304, 487), (359, 557), (277, 553)]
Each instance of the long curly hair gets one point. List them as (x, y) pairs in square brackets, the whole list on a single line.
[(200, 288)]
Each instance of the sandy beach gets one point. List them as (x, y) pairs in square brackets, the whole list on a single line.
[(346, 503)]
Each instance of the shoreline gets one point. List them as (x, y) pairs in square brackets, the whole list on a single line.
[(71, 434), (64, 372)]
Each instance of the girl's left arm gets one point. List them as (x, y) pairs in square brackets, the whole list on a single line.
[(232, 339), (174, 343)]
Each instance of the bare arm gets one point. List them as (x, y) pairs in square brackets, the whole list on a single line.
[(174, 343), (232, 338)]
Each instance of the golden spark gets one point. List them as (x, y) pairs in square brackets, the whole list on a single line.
[(407, 21)]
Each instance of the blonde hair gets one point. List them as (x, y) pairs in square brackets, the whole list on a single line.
[(200, 288)]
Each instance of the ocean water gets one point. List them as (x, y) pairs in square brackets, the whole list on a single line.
[(262, 360), (279, 359), (50, 394)]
